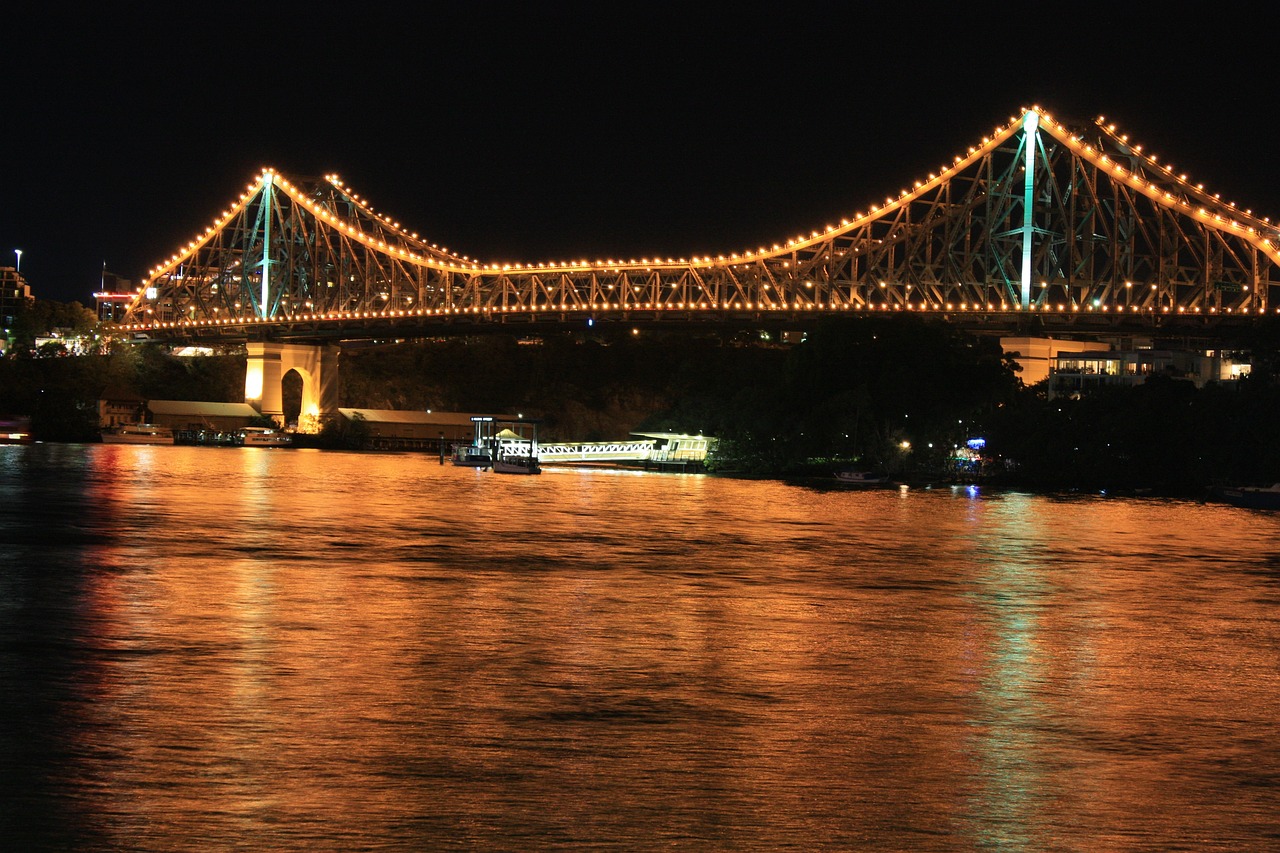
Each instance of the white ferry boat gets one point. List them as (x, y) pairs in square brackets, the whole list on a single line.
[(265, 437), (138, 434)]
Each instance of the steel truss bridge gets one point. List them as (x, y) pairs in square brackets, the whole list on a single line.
[(1041, 222)]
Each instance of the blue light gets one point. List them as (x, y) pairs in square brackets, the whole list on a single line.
[(976, 443)]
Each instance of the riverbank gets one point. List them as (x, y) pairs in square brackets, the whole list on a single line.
[(893, 397)]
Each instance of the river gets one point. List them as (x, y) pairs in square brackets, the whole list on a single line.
[(259, 649)]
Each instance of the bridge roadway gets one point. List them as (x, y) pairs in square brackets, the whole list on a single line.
[(383, 328)]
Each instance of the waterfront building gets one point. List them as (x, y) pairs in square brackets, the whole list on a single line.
[(15, 294), (391, 429), (1036, 356), (194, 416), (1076, 373), (118, 407)]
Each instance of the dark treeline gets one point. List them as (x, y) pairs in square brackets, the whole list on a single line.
[(584, 389), (60, 393), (852, 393), (888, 395), (1164, 435), (891, 395)]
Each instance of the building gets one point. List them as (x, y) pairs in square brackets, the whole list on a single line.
[(114, 297), (390, 429), (66, 341), (118, 407), (15, 294), (1072, 368), (192, 416), (1076, 373), (1037, 356)]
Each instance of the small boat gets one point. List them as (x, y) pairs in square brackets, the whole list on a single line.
[(15, 430), (515, 448), (479, 453), (506, 451), (1251, 497), (264, 437), (138, 434), (511, 463), (861, 478), (472, 456)]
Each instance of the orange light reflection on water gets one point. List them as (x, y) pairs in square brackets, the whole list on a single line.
[(292, 645)]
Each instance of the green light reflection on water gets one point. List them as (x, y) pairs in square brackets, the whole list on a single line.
[(1009, 712)]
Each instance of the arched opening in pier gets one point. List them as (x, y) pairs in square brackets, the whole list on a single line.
[(307, 373), (291, 385)]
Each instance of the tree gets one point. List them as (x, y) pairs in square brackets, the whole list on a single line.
[(41, 317), (346, 433)]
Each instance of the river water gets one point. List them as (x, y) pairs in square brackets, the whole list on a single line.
[(261, 649)]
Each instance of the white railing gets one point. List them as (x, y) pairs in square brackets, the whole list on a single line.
[(596, 451)]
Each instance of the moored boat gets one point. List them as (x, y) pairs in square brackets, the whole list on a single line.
[(264, 437), (512, 463), (138, 434), (472, 456), (861, 478), (479, 453), (15, 430), (1251, 497), (506, 451), (515, 448)]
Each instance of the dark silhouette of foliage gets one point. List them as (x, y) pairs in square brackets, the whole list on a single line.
[(851, 394), (346, 433)]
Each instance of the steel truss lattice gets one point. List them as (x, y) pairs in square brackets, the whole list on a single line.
[(1097, 230)]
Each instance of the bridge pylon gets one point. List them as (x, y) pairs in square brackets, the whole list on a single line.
[(267, 365)]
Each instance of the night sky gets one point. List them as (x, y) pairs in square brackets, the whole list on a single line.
[(557, 131)]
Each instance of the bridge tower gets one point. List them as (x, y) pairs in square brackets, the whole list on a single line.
[(267, 365)]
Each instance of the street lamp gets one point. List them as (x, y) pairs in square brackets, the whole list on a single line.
[(18, 268)]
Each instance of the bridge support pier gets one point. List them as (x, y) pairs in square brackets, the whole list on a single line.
[(268, 364)]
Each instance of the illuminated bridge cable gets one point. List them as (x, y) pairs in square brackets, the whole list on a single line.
[(265, 218), (1029, 124)]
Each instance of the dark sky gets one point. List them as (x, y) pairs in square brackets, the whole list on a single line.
[(555, 131)]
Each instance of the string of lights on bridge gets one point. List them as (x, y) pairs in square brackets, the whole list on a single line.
[(869, 307), (1260, 234)]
